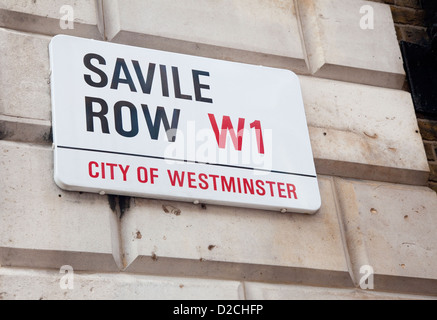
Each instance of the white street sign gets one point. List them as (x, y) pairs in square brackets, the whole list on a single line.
[(148, 123)]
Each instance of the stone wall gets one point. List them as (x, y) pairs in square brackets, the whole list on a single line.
[(411, 22), (378, 217)]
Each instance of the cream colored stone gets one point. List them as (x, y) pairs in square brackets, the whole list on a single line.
[(251, 31), (390, 228), (43, 226), (25, 75), (356, 131), (25, 130), (28, 284), (51, 16), (265, 291), (25, 110), (170, 238), (338, 48), (364, 132)]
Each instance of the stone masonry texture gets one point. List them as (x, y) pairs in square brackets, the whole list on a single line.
[(411, 22), (374, 235)]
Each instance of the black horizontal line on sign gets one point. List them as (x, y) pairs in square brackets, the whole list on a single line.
[(186, 161)]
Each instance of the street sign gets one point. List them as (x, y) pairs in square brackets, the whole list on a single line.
[(147, 123)]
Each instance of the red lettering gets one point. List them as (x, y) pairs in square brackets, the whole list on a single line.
[(291, 190), (237, 139), (271, 183), (214, 177), (103, 170), (96, 170), (281, 195), (141, 171), (124, 171), (239, 185), (260, 185), (191, 180), (259, 135), (90, 169), (112, 165), (248, 186), (153, 175), (176, 177), (203, 184), (218, 182), (228, 186)]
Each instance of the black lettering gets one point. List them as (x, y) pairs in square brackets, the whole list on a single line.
[(161, 116), (198, 86), (146, 86), (90, 114), (164, 80), (119, 119), (121, 64), (103, 77), (177, 85)]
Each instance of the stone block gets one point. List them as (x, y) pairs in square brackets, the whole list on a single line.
[(430, 151), (364, 132), (408, 16), (428, 129), (25, 130), (25, 76), (408, 3), (433, 169), (266, 291), (343, 44), (180, 239), (51, 17), (390, 228), (31, 284), (412, 34), (250, 31), (42, 226), (25, 109)]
